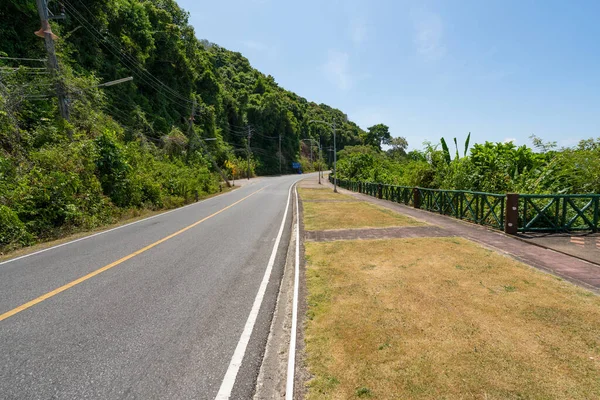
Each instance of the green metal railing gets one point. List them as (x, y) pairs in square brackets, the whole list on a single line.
[(478, 207), (531, 212), (559, 213), (398, 194)]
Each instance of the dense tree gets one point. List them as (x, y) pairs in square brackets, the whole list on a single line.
[(377, 135), (489, 167), (398, 146)]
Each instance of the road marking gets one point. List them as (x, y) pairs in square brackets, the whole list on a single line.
[(108, 230), (114, 264), (240, 350), (289, 389)]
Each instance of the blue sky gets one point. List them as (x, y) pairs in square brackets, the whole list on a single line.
[(502, 70)]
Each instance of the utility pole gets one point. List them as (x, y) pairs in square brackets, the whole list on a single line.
[(191, 125), (248, 151), (320, 157), (46, 33), (332, 125), (191, 132), (280, 155), (311, 140), (334, 161)]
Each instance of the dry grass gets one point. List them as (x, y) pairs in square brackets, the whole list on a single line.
[(350, 215), (442, 318), (322, 194)]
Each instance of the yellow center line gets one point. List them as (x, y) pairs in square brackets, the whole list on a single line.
[(114, 264)]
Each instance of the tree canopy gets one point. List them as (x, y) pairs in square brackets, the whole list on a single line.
[(377, 135)]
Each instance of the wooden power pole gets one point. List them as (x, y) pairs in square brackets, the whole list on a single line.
[(46, 33), (248, 152)]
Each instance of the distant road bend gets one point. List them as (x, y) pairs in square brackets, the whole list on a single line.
[(151, 310)]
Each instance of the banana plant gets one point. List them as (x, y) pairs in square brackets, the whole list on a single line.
[(446, 150)]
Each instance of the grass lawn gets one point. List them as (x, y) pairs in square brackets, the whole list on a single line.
[(443, 318), (322, 194), (350, 215)]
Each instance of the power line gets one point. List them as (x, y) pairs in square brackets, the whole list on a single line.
[(128, 61), (24, 59), (114, 50), (267, 137), (141, 77), (23, 67)]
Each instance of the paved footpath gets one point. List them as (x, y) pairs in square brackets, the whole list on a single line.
[(580, 272)]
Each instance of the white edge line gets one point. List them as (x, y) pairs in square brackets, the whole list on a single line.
[(289, 389), (240, 350), (107, 231)]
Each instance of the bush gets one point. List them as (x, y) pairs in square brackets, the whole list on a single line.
[(12, 230)]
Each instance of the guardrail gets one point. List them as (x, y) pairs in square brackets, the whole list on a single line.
[(510, 212), (559, 213)]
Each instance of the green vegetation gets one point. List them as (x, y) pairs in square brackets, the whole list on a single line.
[(139, 144), (488, 167)]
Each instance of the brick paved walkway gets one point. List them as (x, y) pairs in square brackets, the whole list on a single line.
[(580, 272)]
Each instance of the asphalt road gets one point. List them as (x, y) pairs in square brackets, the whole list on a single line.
[(161, 324)]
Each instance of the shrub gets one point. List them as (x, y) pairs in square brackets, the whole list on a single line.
[(12, 230)]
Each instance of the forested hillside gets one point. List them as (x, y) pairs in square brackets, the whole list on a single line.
[(138, 144)]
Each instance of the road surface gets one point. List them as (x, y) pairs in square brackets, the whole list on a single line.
[(152, 310)]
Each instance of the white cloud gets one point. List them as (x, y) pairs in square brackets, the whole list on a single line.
[(337, 69), (260, 47), (253, 45), (358, 31), (429, 35), (510, 140)]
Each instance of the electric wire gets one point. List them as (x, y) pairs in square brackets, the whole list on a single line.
[(128, 66), (128, 61), (132, 60), (23, 59)]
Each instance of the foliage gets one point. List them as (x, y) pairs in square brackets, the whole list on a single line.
[(489, 167), (139, 144), (237, 167), (398, 147), (377, 135), (11, 228)]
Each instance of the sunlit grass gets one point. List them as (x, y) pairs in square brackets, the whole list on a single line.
[(442, 318), (323, 216), (322, 194)]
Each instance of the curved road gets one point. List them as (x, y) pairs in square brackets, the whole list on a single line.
[(151, 310)]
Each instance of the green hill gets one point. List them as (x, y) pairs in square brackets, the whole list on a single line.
[(136, 144)]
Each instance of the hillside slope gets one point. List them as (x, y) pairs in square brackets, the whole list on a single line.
[(132, 145)]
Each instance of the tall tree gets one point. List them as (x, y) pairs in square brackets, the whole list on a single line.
[(399, 145), (377, 135)]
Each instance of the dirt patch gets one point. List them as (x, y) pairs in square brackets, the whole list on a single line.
[(375, 233)]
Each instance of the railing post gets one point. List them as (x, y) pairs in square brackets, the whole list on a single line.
[(511, 220), (416, 198), (596, 214), (379, 191)]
